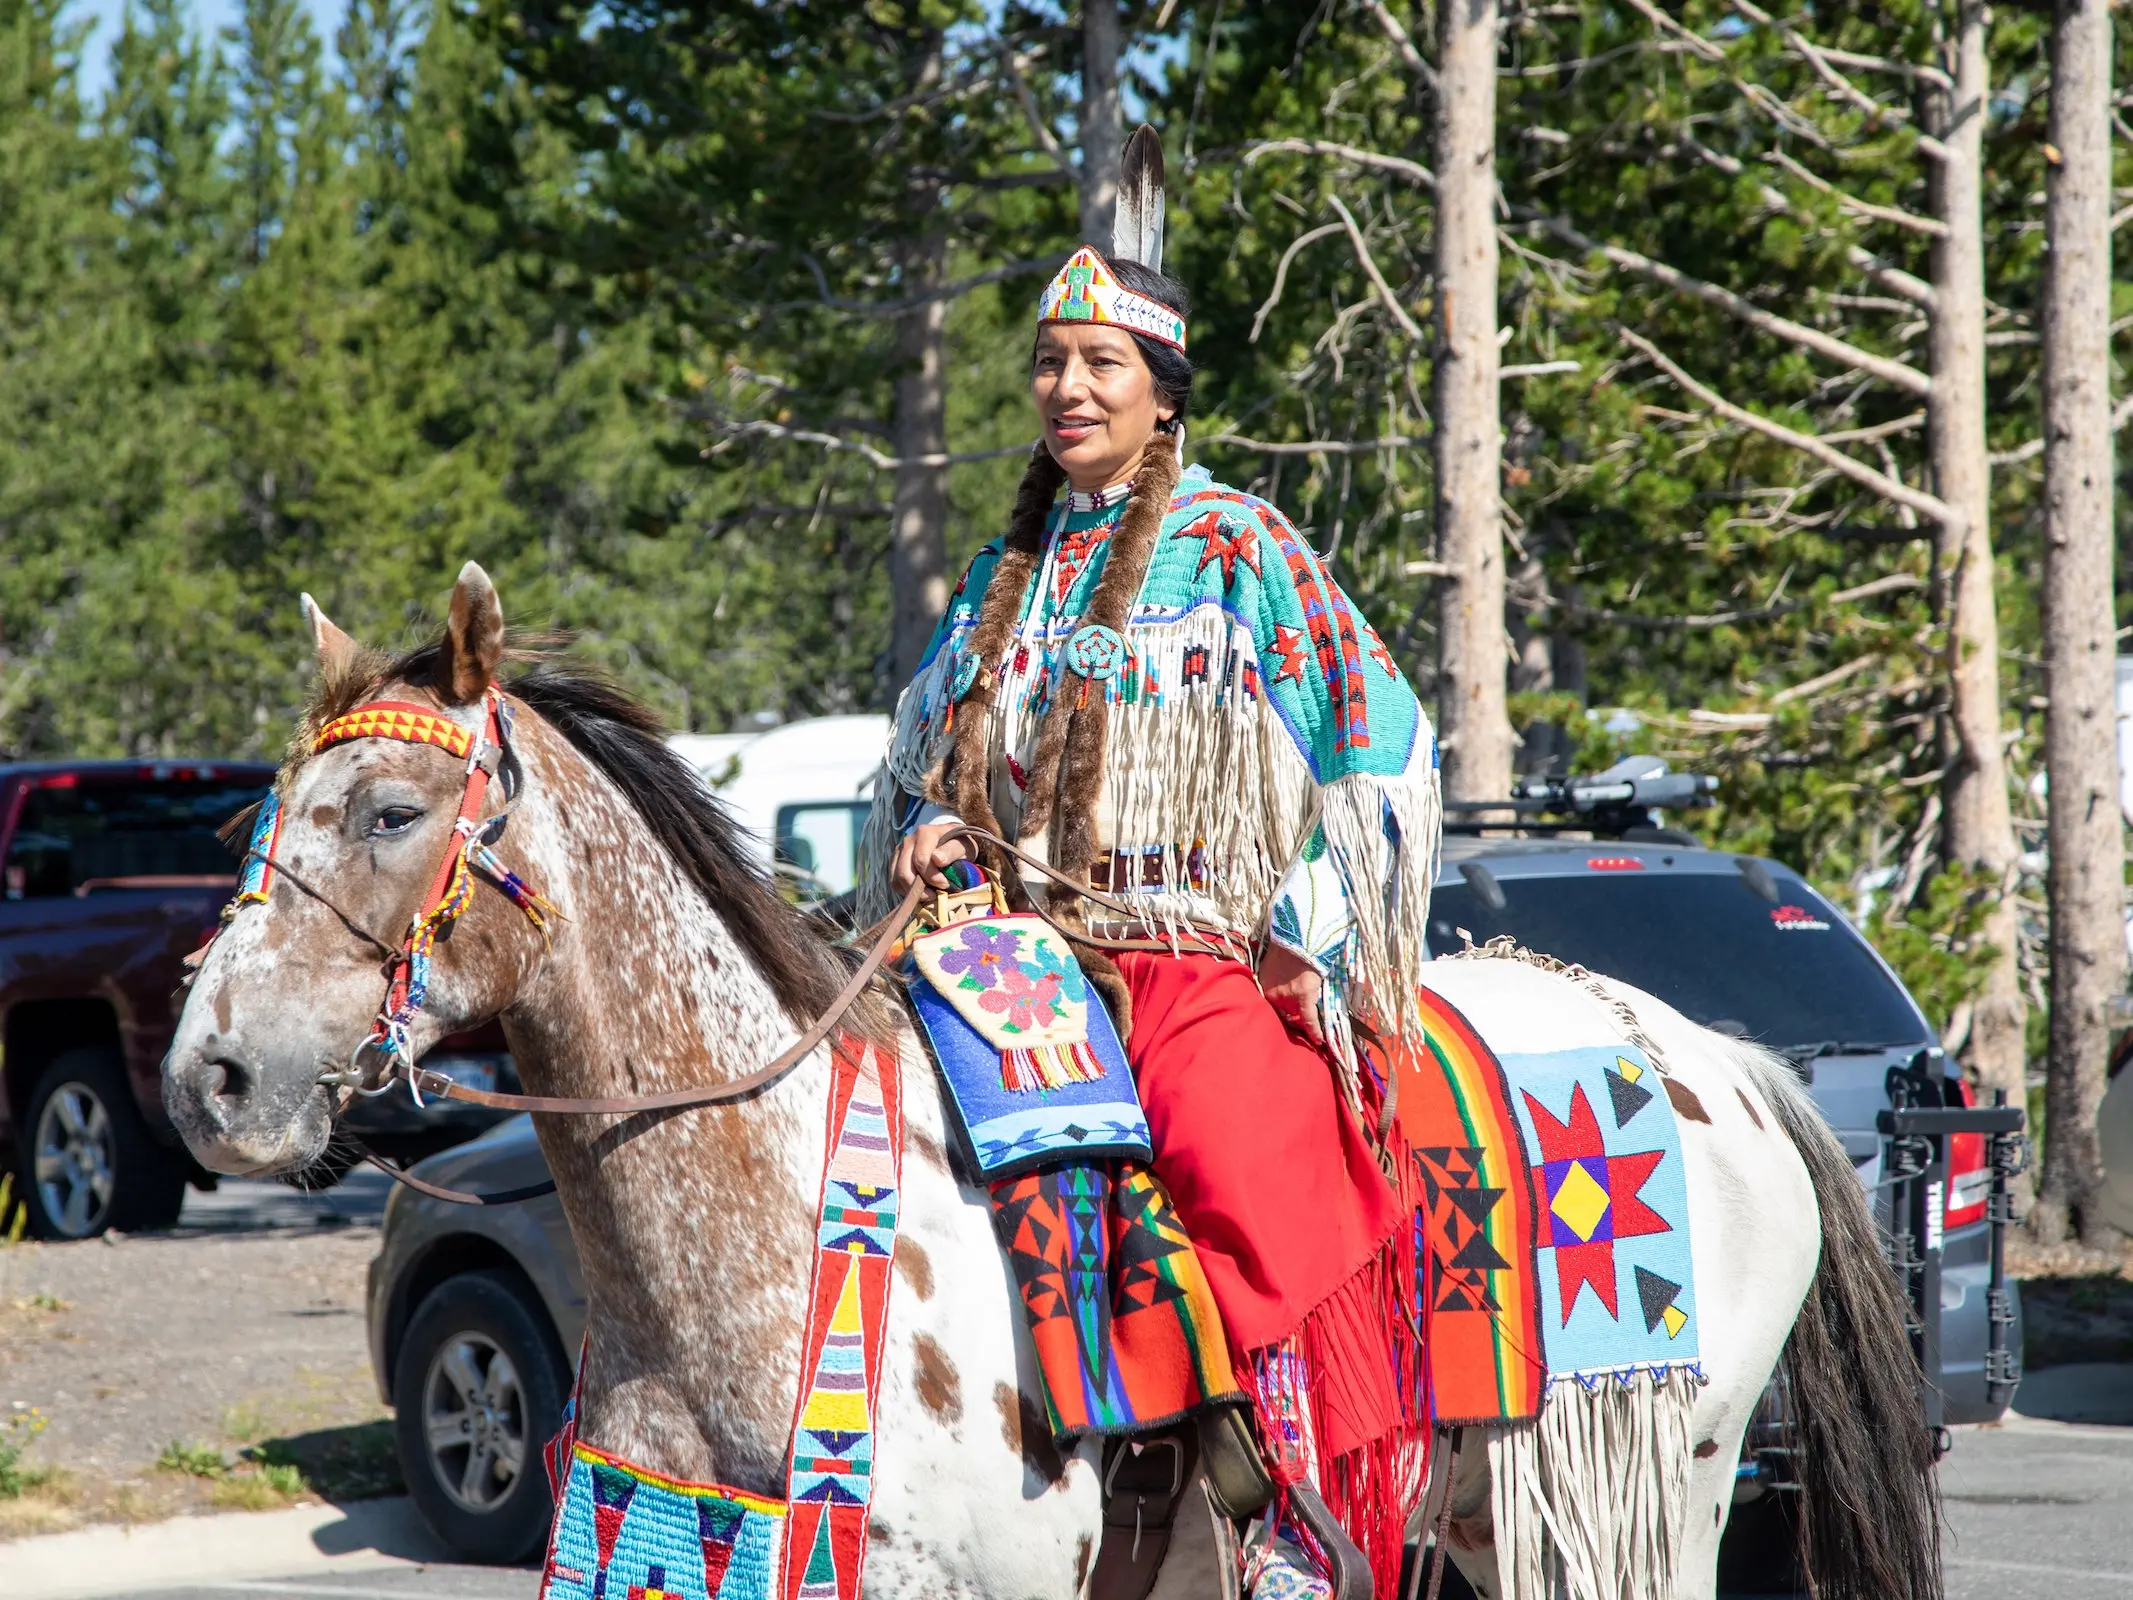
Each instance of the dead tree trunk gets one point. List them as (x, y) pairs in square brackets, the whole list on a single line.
[(1099, 120), (1978, 831), (1473, 724), (918, 514), (2087, 871)]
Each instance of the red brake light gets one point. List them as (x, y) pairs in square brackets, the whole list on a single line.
[(1613, 864), (1969, 1179), (59, 780)]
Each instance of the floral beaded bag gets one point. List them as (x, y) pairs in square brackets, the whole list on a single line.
[(1032, 1059)]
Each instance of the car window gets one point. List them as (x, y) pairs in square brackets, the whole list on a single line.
[(86, 834), (1706, 943), (819, 840)]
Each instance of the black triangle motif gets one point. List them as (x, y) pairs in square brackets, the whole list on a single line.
[(1655, 1294), (1478, 1252), (1629, 1098), (1476, 1204)]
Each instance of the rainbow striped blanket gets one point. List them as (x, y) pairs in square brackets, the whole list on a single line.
[(1551, 1219)]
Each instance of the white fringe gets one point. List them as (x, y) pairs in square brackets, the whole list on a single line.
[(1205, 764), (1590, 1500)]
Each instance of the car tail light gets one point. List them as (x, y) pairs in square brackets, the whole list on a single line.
[(58, 780), (1969, 1178), (1613, 864)]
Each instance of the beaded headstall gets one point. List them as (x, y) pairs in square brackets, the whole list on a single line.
[(471, 855)]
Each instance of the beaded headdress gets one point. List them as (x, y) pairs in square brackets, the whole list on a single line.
[(1086, 290)]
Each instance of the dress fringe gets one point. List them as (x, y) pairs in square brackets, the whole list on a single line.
[(1318, 1388)]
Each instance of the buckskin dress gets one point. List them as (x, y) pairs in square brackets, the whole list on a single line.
[(1268, 774)]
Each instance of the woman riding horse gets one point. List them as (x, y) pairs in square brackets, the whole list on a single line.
[(1153, 683)]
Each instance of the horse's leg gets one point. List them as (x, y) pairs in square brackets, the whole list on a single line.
[(1756, 1235)]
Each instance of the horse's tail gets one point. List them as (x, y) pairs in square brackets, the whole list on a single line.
[(1869, 1503)]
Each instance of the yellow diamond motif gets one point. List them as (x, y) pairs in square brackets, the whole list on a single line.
[(1675, 1319), (1580, 1202), (1629, 1069)]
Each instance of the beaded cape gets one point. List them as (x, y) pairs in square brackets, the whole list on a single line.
[(1267, 768)]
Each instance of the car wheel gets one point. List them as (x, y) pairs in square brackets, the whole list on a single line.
[(479, 1393), (92, 1163)]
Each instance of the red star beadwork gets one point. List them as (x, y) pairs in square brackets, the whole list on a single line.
[(1227, 538), (1582, 1181), (1289, 645)]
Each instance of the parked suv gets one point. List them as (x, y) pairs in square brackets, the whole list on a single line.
[(110, 872)]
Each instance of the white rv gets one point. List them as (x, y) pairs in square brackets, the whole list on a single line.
[(801, 788)]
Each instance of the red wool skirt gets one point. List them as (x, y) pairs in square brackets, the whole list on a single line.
[(1299, 1232)]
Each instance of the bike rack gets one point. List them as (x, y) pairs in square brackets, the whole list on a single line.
[(1917, 1126)]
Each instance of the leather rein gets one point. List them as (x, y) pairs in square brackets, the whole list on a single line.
[(471, 857)]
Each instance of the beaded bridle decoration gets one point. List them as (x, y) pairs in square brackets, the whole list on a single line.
[(470, 856)]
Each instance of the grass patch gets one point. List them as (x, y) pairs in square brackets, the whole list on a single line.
[(16, 1479), (258, 1487), (244, 1422), (192, 1460), (44, 1300)]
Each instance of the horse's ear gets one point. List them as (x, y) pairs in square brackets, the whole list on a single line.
[(335, 649), (473, 636)]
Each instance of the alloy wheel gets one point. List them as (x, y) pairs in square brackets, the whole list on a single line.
[(75, 1156), (474, 1418)]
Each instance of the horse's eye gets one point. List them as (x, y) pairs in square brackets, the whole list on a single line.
[(395, 819)]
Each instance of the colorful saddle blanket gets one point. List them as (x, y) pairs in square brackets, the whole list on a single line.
[(1126, 1330), (1552, 1224)]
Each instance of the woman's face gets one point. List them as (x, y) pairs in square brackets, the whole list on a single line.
[(1097, 400)]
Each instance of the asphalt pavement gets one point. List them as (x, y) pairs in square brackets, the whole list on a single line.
[(2036, 1510)]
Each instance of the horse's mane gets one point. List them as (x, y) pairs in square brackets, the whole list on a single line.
[(625, 740)]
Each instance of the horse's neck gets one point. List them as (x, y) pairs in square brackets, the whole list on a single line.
[(695, 1230)]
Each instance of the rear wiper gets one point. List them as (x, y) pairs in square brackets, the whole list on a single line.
[(1801, 1054)]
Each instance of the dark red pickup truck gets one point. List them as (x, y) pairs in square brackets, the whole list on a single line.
[(110, 872)]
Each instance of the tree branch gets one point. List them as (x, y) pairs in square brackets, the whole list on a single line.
[(1281, 273), (1314, 447), (1539, 369), (1894, 279), (1409, 55), (1414, 172), (1820, 63), (874, 458), (1894, 583), (1046, 139), (1931, 226), (1370, 270), (1907, 378), (2030, 449), (1858, 471)]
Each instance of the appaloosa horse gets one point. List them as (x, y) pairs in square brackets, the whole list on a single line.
[(674, 965)]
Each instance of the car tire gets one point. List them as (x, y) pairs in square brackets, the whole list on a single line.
[(91, 1163), (478, 1392)]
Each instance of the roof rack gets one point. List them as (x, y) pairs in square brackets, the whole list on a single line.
[(1624, 800)]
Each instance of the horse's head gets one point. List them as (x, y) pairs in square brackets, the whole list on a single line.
[(290, 988)]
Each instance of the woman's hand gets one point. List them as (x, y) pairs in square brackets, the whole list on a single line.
[(922, 850), (1292, 986)]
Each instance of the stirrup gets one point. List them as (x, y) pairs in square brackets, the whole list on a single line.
[(1238, 1484), (1144, 1481), (1350, 1573)]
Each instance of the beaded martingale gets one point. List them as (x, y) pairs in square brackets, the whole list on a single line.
[(622, 1533)]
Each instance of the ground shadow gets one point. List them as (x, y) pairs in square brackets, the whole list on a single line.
[(339, 1464)]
